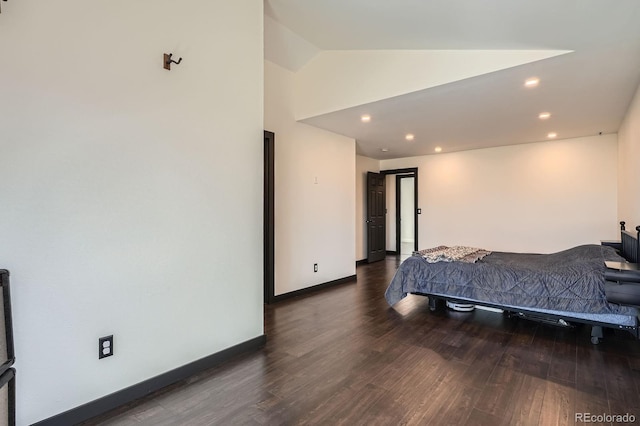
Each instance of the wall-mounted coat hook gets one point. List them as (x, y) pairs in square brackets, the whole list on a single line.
[(168, 61)]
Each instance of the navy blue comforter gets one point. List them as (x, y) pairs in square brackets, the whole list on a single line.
[(571, 280)]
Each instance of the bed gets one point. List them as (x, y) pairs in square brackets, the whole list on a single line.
[(562, 288)]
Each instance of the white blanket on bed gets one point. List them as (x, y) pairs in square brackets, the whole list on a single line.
[(453, 254)]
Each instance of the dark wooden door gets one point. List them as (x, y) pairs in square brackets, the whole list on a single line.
[(376, 221)]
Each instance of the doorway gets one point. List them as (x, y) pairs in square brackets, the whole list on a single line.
[(405, 208), (391, 219), (403, 204)]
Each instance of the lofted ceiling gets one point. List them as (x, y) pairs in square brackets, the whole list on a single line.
[(587, 90)]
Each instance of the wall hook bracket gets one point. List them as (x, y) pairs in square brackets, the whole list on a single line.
[(168, 61)]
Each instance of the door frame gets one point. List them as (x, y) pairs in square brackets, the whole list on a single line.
[(400, 173), (399, 178), (269, 217)]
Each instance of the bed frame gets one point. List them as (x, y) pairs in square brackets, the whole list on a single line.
[(629, 243), (628, 247)]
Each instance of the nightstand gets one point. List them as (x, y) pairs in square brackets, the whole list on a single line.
[(623, 266)]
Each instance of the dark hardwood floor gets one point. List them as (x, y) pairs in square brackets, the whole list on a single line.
[(343, 356)]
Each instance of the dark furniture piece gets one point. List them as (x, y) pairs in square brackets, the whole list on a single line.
[(622, 284), (7, 373), (580, 298)]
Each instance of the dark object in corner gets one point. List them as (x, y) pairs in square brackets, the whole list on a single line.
[(8, 379), (7, 374), (8, 357), (622, 284)]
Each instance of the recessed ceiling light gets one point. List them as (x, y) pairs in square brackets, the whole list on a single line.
[(409, 137), (532, 82), (552, 135), (544, 115), (384, 150), (438, 149), (365, 118)]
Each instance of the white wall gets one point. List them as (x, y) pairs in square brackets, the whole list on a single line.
[(363, 165), (118, 215), (315, 193), (539, 197), (629, 165)]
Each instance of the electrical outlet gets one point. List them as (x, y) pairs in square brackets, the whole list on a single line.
[(105, 346), (315, 267)]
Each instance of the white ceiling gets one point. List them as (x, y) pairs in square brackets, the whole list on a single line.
[(587, 91)]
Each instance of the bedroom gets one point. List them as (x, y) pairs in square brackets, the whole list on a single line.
[(122, 218)]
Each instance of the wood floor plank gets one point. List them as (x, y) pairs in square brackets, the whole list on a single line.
[(478, 417), (591, 371), (619, 387), (499, 396), (451, 401), (586, 405), (562, 365), (529, 401), (558, 405)]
